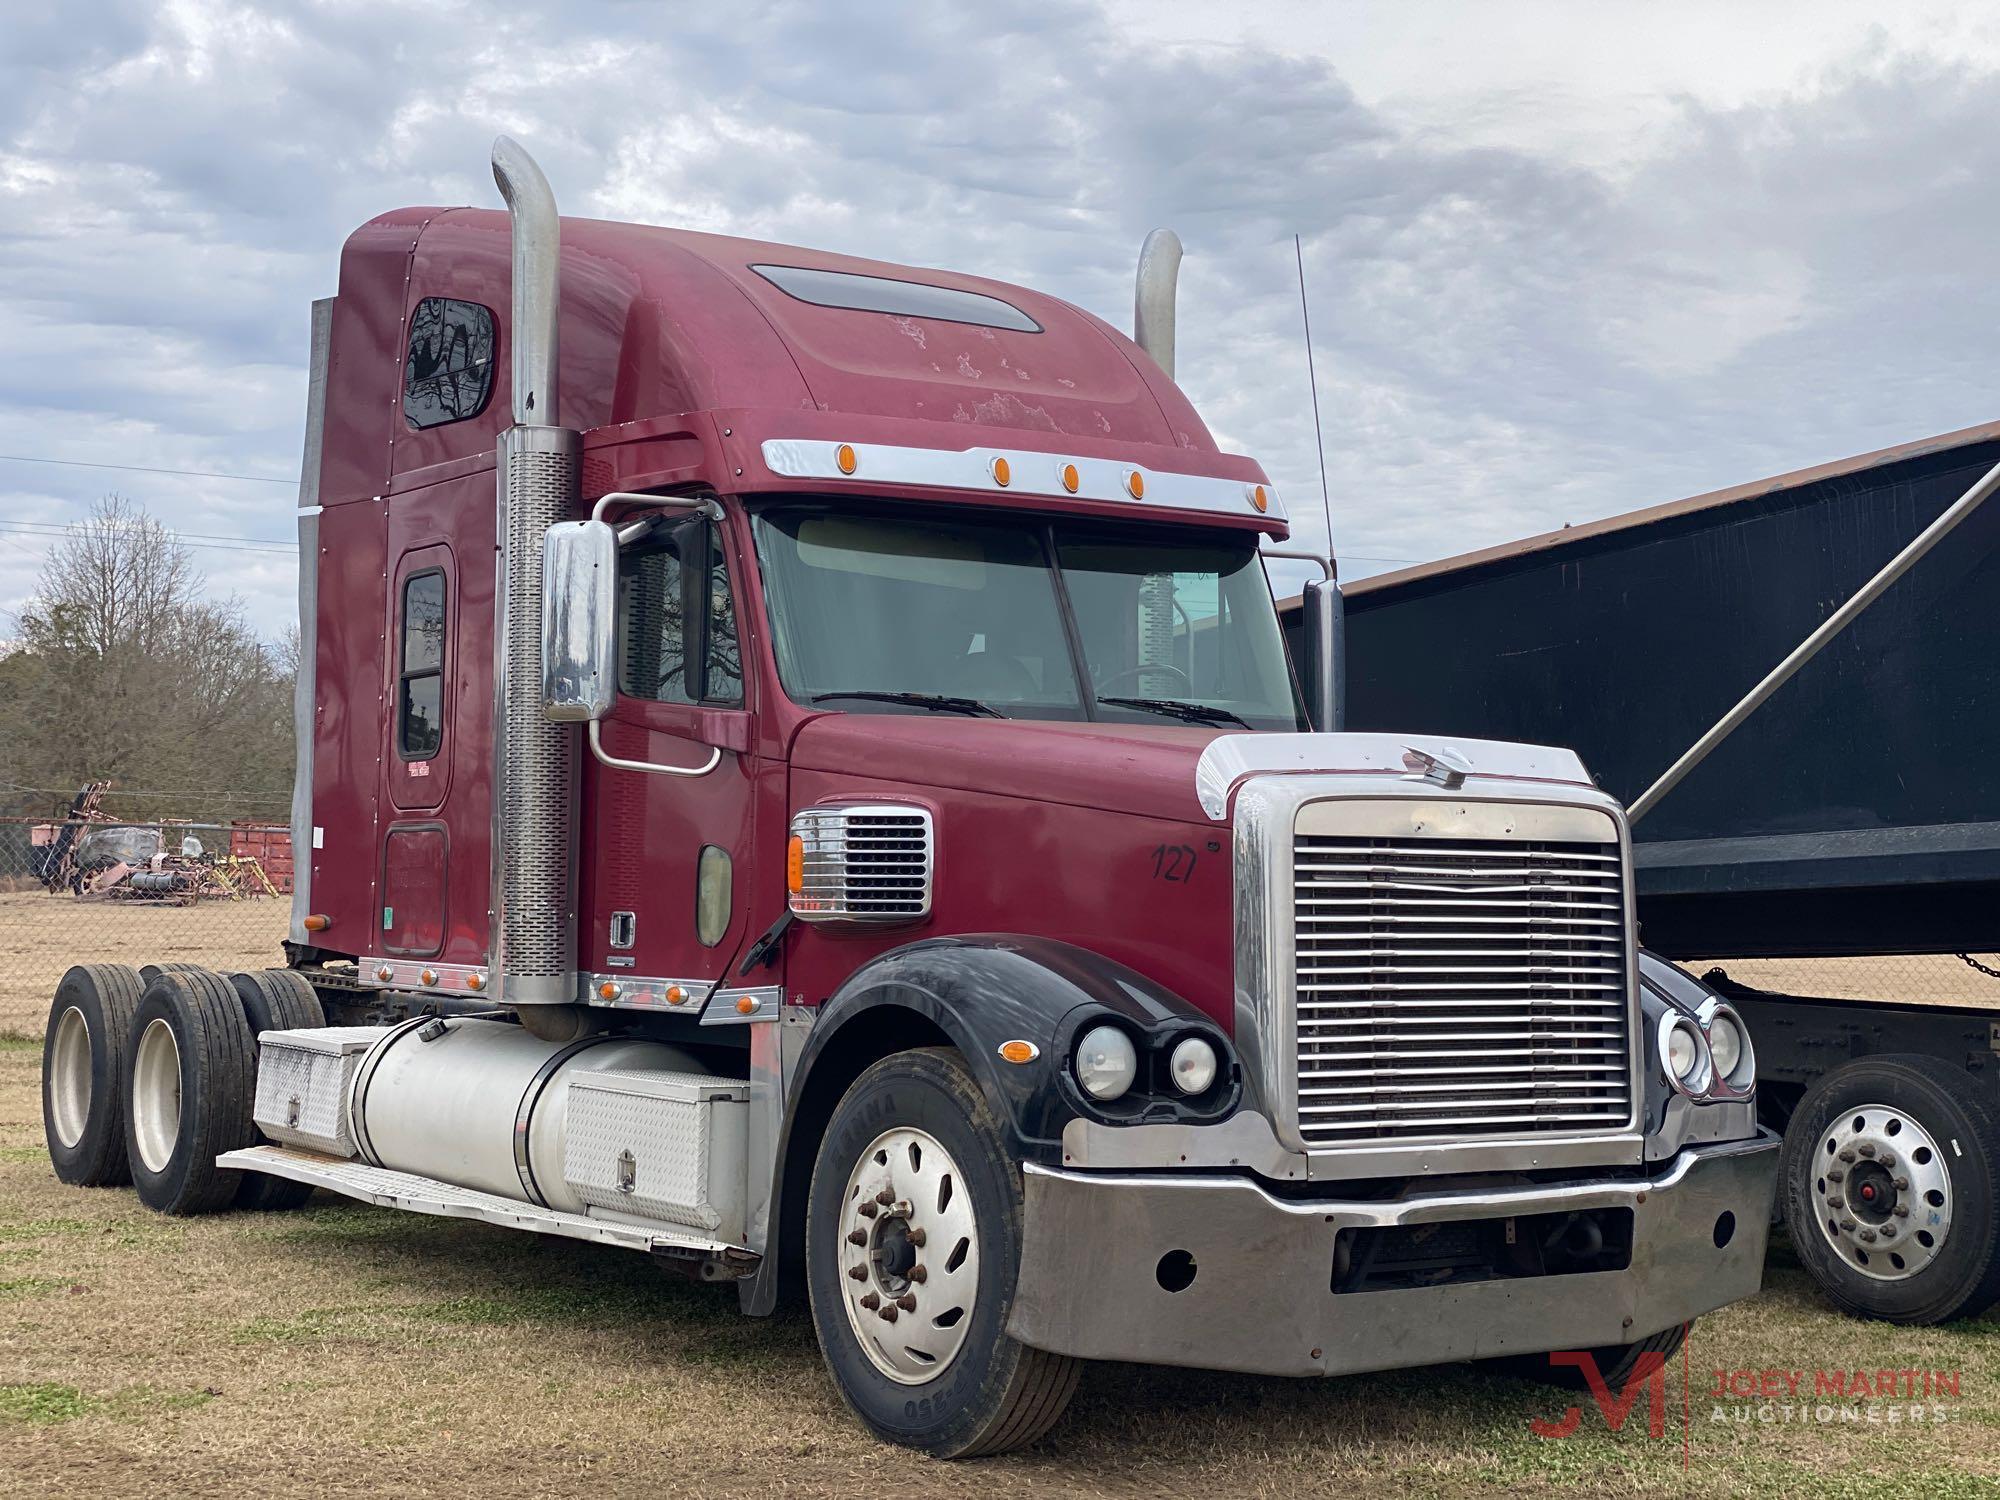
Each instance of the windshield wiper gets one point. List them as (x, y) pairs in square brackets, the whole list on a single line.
[(937, 703), (1180, 708)]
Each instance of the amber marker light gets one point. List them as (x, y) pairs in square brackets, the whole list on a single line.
[(475, 981), (746, 1006), (1071, 480), (607, 991), (1259, 499), (844, 459), (1019, 1051), (429, 976), (675, 994), (385, 973), (795, 865), (1135, 484), (317, 923), (1003, 472)]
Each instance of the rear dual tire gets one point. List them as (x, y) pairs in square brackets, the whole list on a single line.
[(274, 1000), (190, 1076), (83, 1054)]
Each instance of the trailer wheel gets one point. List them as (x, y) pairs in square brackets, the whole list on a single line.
[(274, 1000), (913, 1242), (1890, 1189), (83, 1049), (188, 1080)]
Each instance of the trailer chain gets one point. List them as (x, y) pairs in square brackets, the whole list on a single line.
[(1990, 973)]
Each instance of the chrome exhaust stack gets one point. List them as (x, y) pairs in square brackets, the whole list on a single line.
[(539, 467), (1153, 297)]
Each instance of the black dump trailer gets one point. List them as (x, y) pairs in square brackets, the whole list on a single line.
[(1857, 811)]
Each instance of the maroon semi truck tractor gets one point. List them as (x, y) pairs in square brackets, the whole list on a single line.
[(806, 783)]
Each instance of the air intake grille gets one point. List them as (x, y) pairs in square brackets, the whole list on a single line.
[(1459, 988), (862, 863)]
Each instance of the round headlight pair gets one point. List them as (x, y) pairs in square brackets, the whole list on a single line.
[(1694, 1056), (1107, 1064)]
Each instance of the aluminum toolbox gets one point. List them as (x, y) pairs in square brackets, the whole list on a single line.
[(664, 1147), (303, 1082)]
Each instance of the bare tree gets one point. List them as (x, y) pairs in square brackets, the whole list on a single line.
[(125, 669)]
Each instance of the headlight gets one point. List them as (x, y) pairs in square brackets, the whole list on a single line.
[(1193, 1065), (1728, 1047), (1106, 1063), (1681, 1051)]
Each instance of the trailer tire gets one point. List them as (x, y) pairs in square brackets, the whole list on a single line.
[(990, 1393), (188, 1082), (274, 1000), (83, 1048), (1949, 1180)]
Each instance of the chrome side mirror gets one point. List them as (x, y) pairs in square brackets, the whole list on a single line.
[(579, 620)]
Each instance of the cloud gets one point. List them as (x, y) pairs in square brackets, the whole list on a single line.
[(1509, 336)]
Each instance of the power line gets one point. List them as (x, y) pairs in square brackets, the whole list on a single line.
[(78, 463), (49, 531)]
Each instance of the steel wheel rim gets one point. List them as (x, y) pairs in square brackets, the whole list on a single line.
[(1881, 1192), (909, 1255), (156, 1095), (69, 1077)]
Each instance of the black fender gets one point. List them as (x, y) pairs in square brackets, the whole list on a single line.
[(974, 992)]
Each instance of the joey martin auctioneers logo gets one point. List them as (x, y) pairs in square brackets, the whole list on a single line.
[(1771, 1396)]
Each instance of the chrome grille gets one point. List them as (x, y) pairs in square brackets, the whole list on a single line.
[(863, 863), (1459, 988)]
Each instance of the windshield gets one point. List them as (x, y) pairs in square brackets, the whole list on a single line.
[(899, 613)]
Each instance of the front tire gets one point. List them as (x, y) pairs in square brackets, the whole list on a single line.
[(1889, 1173), (913, 1244), (188, 1079)]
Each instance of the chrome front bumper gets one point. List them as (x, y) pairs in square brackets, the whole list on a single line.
[(1262, 1301)]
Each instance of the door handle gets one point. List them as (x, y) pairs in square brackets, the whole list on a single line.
[(617, 764)]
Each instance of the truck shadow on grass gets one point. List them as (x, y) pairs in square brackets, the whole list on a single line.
[(424, 1280)]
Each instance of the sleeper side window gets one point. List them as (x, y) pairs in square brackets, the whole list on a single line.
[(448, 368), (677, 618), (420, 667)]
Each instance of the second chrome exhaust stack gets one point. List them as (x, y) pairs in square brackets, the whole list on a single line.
[(532, 936), (1153, 297)]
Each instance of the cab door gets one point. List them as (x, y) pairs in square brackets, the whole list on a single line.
[(665, 883)]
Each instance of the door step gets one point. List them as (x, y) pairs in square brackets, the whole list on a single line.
[(426, 1195)]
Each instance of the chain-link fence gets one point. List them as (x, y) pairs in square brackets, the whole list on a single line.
[(1919, 978), (102, 891)]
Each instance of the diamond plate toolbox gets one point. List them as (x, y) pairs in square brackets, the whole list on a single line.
[(303, 1082), (665, 1147)]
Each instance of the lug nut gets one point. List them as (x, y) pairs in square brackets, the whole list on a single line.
[(1868, 1236), (1848, 1225), (1888, 1231), (885, 1197), (908, 1302), (868, 1210), (871, 1302), (1887, 1158), (1866, 1148), (1834, 1174), (1836, 1203), (1902, 1210), (916, 1236), (857, 1273), (919, 1275), (1902, 1184), (857, 1236), (1847, 1155), (887, 1314)]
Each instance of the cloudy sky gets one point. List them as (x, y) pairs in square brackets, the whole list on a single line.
[(1565, 258)]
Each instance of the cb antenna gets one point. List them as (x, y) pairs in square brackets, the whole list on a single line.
[(1312, 376)]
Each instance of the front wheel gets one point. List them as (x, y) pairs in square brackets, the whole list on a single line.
[(913, 1243)]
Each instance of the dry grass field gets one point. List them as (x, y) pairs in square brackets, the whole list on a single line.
[(348, 1350)]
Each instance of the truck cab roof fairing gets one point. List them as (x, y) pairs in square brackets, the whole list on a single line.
[(662, 321)]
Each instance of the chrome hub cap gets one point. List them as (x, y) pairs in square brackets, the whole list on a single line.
[(69, 1077), (909, 1255), (1883, 1192), (156, 1095)]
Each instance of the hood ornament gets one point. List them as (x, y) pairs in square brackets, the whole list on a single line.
[(1443, 766)]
